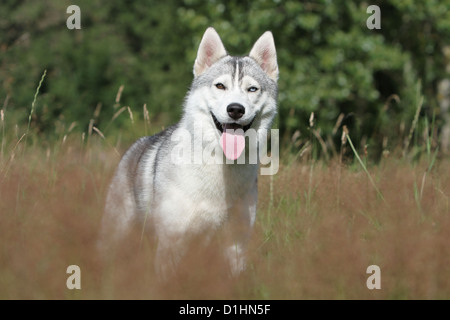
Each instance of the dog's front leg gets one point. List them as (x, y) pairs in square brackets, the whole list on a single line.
[(239, 230), (169, 252), (236, 255)]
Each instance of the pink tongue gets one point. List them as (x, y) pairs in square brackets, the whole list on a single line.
[(232, 144)]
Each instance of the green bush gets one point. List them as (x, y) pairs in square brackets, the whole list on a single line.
[(330, 62)]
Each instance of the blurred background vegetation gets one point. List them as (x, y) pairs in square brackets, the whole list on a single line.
[(330, 64)]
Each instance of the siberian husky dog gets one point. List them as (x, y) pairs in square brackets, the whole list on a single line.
[(194, 178)]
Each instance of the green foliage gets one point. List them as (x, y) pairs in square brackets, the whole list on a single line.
[(330, 62)]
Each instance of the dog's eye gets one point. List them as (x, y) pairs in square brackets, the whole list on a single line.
[(252, 89), (220, 86)]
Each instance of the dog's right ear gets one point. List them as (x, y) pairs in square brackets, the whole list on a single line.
[(211, 49)]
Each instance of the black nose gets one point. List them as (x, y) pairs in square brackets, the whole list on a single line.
[(235, 110)]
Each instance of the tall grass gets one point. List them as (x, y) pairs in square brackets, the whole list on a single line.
[(320, 224), (347, 136), (33, 104)]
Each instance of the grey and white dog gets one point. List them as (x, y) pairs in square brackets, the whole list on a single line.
[(176, 181)]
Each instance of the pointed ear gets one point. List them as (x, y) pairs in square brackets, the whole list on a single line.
[(265, 54), (211, 49)]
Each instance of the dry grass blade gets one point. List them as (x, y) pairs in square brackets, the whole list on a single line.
[(338, 123), (11, 157), (146, 118), (415, 120), (119, 95), (72, 126), (33, 104), (364, 167), (322, 143), (90, 128), (103, 137), (118, 112), (146, 114), (98, 108), (98, 132), (131, 115), (2, 114)]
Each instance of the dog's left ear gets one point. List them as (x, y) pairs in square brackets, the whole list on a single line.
[(211, 49), (265, 54)]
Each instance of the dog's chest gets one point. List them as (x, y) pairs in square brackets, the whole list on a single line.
[(205, 197), (222, 183)]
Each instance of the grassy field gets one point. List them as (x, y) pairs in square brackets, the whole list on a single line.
[(319, 226)]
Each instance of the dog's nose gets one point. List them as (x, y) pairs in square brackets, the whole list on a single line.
[(235, 110)]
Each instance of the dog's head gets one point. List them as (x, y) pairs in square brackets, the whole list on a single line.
[(234, 93), (237, 91)]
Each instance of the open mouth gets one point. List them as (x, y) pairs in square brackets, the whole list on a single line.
[(232, 143), (224, 126)]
